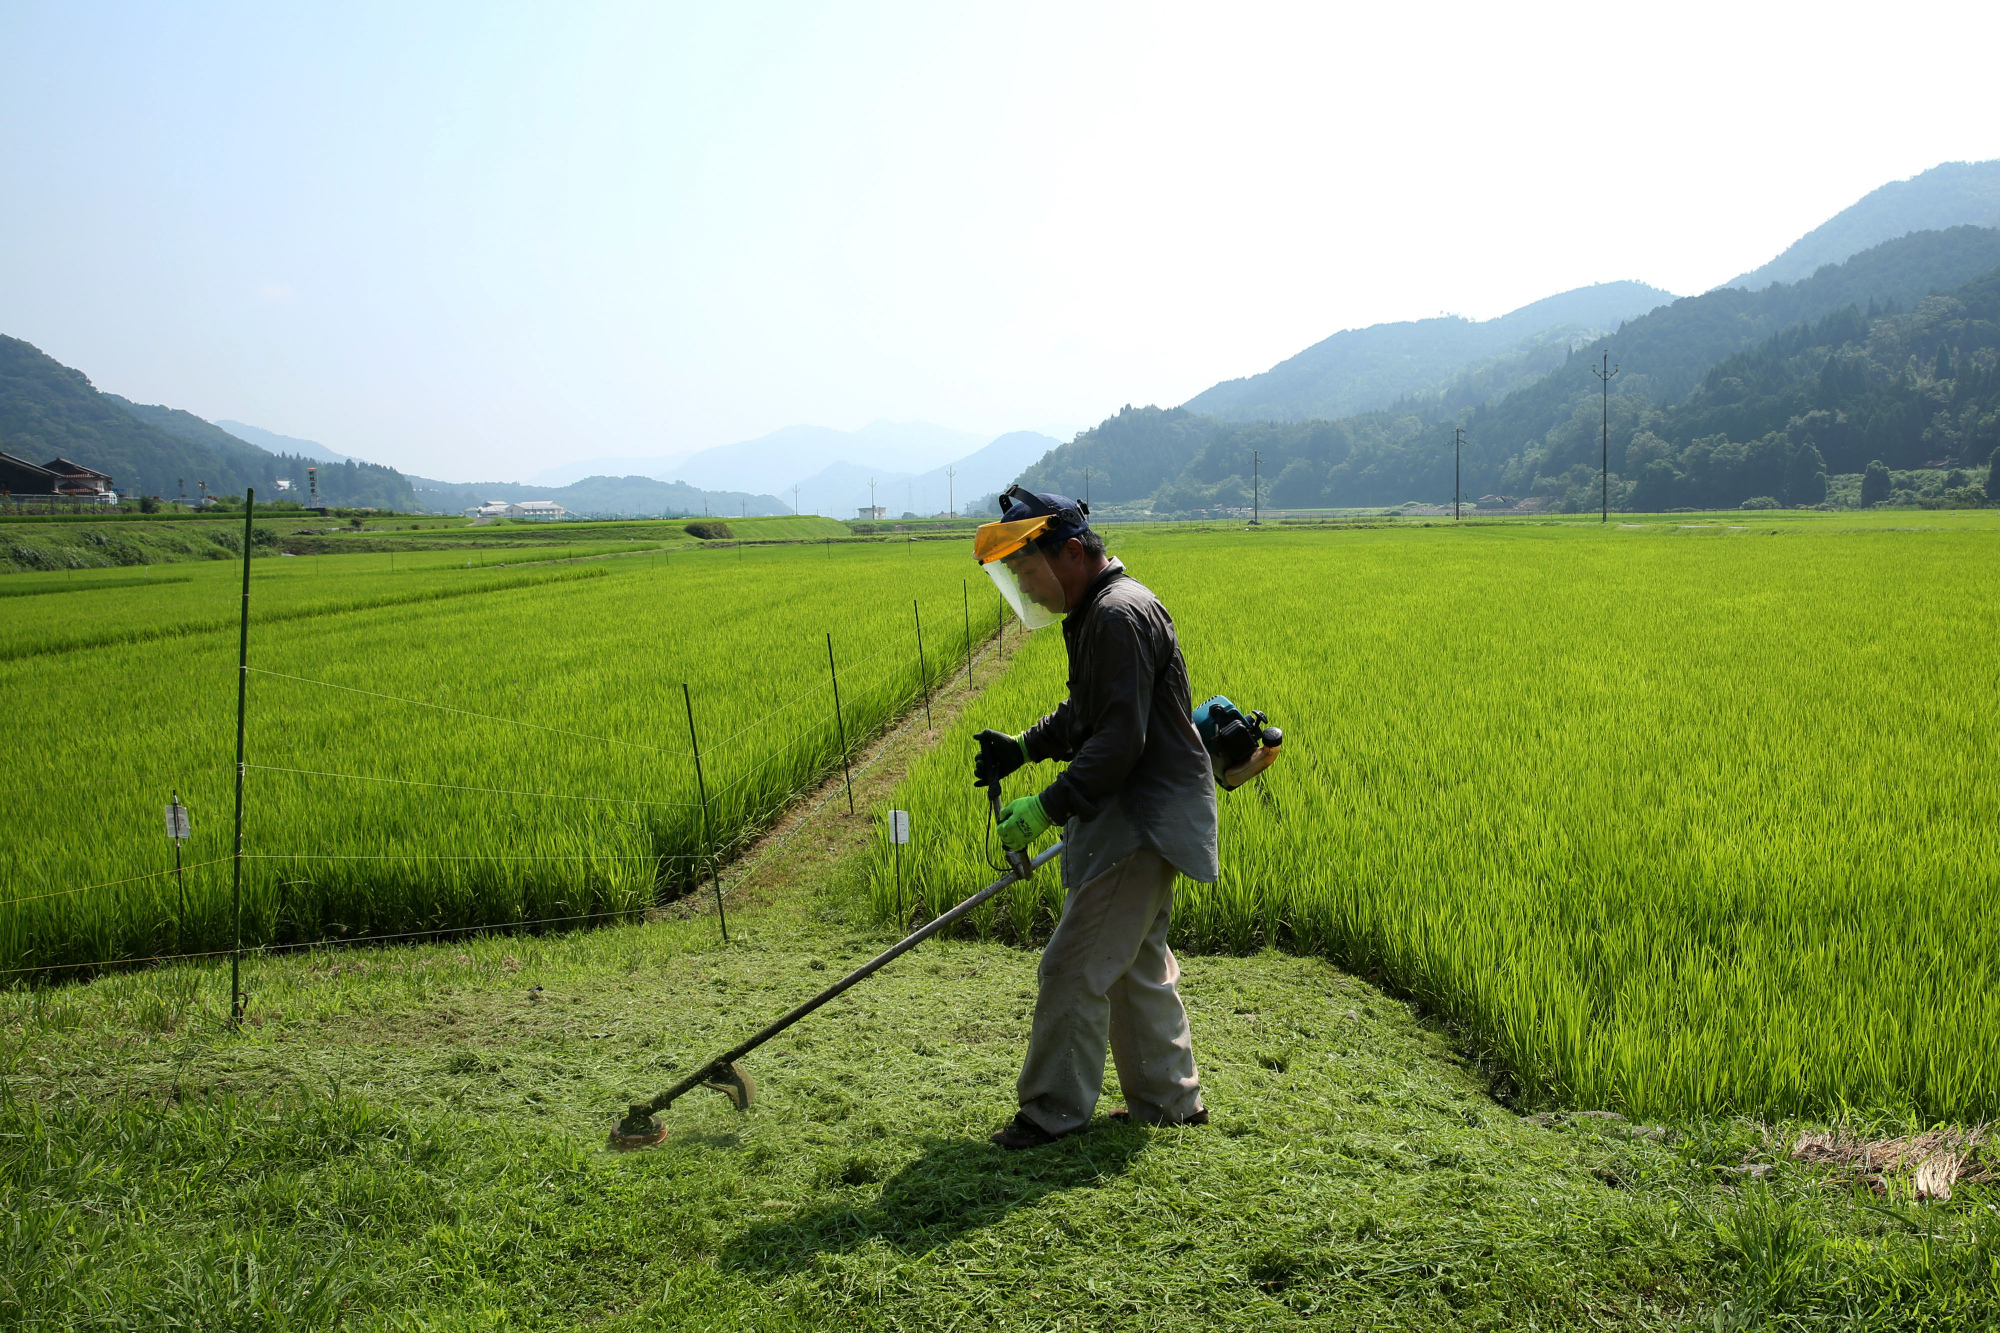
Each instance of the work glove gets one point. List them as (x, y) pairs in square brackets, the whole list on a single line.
[(1021, 822), (999, 755)]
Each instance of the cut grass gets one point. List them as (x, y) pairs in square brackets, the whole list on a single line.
[(416, 1137)]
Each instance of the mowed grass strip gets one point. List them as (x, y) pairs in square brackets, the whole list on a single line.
[(1674, 820), (415, 1136)]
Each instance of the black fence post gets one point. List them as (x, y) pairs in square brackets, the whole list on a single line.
[(923, 672), (707, 831), (242, 710), (839, 723), (180, 879)]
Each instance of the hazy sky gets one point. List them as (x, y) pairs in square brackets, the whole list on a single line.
[(478, 240)]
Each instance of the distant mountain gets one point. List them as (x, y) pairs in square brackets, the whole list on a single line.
[(1542, 439), (1359, 370), (273, 442), (658, 465), (609, 497), (48, 409), (1951, 195), (789, 456), (840, 489)]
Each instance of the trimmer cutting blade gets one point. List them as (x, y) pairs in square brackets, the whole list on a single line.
[(641, 1126), (642, 1129)]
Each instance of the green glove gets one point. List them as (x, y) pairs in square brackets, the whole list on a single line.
[(1021, 822)]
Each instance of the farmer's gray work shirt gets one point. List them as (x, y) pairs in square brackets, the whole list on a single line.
[(1138, 775)]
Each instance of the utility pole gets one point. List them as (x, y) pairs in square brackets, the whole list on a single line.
[(1457, 445), (795, 502), (950, 490), (871, 497), (1256, 486), (1604, 440), (1086, 488)]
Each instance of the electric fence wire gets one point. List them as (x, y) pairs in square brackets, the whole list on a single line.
[(110, 883), (739, 874), (453, 786), (117, 680), (336, 941), (803, 695), (466, 712), (991, 643), (120, 777), (803, 737), (428, 856)]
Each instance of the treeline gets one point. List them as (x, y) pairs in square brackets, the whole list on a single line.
[(1713, 404)]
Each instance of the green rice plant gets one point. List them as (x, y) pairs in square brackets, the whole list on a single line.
[(1673, 819), (440, 749)]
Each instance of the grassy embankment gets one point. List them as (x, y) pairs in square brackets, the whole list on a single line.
[(66, 546)]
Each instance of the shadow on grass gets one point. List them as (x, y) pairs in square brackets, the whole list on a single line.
[(957, 1186)]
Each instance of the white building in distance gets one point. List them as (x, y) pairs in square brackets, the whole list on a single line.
[(545, 510)]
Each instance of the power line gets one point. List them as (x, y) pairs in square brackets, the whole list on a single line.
[(1604, 471)]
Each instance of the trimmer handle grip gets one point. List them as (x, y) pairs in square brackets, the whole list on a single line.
[(1016, 861)]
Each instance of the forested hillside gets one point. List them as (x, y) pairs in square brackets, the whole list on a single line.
[(1359, 370), (1543, 439), (1905, 390), (1951, 194), (49, 410)]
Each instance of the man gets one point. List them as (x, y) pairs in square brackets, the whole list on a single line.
[(1137, 806)]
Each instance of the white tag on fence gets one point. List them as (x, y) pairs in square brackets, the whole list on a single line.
[(177, 821), (899, 826)]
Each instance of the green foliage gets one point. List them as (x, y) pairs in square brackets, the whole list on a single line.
[(1128, 455), (1874, 484), (709, 531), (1541, 439), (1678, 834)]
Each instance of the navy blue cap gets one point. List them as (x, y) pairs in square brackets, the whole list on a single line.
[(1071, 518)]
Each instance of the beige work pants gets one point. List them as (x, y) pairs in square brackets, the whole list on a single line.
[(1107, 974)]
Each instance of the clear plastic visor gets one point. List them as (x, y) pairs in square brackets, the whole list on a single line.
[(1030, 586)]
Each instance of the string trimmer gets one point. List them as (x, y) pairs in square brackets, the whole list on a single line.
[(642, 1127)]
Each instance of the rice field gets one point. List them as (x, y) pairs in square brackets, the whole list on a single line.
[(1674, 818), (433, 744)]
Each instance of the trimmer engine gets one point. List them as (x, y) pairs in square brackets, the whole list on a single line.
[(1230, 735)]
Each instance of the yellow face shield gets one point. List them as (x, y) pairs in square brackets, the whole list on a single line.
[(1007, 553)]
